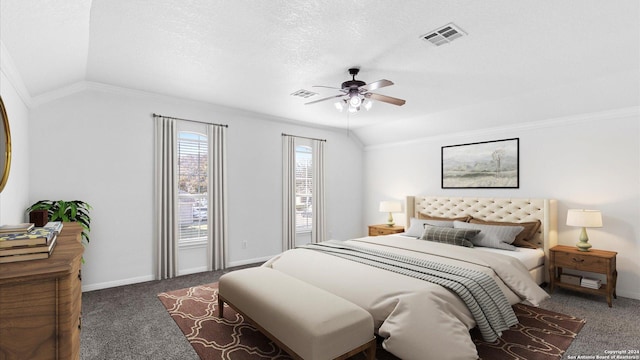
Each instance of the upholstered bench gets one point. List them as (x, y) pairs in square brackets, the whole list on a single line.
[(307, 322)]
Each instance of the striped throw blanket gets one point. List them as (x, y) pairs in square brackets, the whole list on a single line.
[(479, 291)]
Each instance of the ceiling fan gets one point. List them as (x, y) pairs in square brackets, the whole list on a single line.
[(356, 93)]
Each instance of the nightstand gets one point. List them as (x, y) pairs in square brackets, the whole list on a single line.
[(384, 229), (595, 261)]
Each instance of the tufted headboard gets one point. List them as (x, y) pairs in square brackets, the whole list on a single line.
[(492, 209)]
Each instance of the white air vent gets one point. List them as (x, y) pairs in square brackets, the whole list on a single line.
[(304, 93), (443, 35)]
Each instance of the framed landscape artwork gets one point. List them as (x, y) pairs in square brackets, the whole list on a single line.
[(488, 165)]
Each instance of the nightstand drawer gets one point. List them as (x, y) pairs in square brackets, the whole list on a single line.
[(377, 230), (581, 262), (380, 231)]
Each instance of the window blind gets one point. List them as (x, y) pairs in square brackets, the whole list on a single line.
[(304, 186), (193, 166)]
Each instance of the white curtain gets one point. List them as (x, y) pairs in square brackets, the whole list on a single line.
[(318, 227), (288, 192), (166, 197), (217, 202)]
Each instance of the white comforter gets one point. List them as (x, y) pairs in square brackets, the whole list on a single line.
[(418, 320)]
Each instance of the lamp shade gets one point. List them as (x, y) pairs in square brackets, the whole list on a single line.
[(584, 218), (390, 206)]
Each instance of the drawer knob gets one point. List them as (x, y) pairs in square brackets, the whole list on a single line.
[(578, 260)]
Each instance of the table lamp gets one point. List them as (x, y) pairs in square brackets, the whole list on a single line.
[(390, 207), (584, 218)]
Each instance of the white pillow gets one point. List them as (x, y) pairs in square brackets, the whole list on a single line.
[(494, 236), (416, 226)]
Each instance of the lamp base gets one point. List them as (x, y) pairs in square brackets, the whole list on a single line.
[(390, 221), (583, 244)]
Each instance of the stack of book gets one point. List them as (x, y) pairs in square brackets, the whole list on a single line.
[(590, 283), (23, 242), (571, 279)]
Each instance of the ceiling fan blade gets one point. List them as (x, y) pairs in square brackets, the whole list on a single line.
[(385, 98), (327, 98), (329, 87), (377, 85)]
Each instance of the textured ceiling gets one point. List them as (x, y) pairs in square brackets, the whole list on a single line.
[(253, 54)]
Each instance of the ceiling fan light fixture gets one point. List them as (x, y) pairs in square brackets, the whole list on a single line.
[(367, 104), (355, 101), (356, 93)]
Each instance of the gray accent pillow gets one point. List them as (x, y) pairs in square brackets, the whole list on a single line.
[(447, 235), (416, 226), (494, 236)]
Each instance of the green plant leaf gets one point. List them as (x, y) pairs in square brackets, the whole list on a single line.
[(74, 209), (67, 211)]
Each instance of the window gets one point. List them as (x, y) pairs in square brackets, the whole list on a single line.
[(304, 185), (303, 191), (192, 186)]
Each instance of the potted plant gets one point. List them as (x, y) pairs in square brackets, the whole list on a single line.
[(66, 211)]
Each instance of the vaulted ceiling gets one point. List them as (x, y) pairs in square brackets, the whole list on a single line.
[(519, 61)]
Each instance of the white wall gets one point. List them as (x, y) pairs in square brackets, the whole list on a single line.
[(14, 197), (585, 161), (98, 147)]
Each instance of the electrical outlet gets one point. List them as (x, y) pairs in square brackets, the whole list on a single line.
[(244, 244)]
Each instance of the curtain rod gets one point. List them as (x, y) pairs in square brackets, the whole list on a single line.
[(304, 137), (196, 121)]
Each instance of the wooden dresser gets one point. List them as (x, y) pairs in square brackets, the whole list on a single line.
[(40, 303)]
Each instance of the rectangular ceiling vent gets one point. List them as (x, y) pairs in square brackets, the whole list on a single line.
[(443, 35), (304, 93)]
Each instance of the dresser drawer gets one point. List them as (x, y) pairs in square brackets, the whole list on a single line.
[(581, 262)]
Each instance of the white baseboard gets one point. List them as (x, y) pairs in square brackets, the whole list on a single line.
[(627, 294), (110, 284), (249, 261), (193, 270)]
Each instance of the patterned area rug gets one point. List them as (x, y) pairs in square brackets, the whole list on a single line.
[(540, 335)]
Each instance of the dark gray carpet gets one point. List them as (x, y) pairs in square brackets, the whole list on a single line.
[(129, 322), (607, 329)]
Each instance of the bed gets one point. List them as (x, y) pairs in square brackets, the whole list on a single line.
[(420, 319)]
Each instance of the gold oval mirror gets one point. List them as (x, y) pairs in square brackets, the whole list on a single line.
[(5, 146)]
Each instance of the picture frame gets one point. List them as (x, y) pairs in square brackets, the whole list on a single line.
[(481, 165), (5, 146)]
